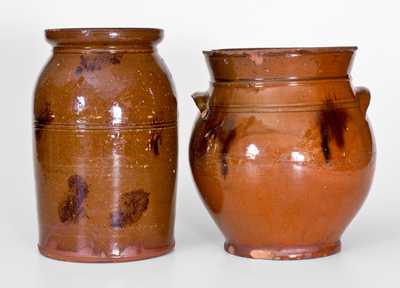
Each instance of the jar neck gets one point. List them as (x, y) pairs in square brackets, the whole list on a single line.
[(280, 64), (106, 48), (281, 96), (104, 39)]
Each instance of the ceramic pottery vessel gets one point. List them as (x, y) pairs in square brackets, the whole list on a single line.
[(105, 147), (282, 154)]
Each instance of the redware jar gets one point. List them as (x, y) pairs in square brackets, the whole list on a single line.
[(282, 154), (105, 147)]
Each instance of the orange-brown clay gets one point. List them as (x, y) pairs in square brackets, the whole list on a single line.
[(282, 153), (105, 147)]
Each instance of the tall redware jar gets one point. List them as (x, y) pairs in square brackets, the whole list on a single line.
[(105, 147), (282, 154)]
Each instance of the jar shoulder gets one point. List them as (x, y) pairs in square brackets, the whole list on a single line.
[(333, 138), (104, 88)]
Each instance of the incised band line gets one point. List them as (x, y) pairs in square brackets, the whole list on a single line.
[(278, 81), (143, 126), (283, 108)]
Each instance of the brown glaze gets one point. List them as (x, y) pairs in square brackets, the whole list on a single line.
[(282, 153), (105, 147)]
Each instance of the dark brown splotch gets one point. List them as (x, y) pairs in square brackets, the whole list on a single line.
[(332, 123), (155, 142), (90, 63), (71, 209), (221, 132), (325, 142), (251, 126), (115, 58), (220, 135), (45, 117), (226, 139), (210, 136), (132, 205)]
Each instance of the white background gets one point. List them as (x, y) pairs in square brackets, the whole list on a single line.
[(371, 250)]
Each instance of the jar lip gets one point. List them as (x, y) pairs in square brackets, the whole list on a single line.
[(103, 35), (280, 63), (288, 51)]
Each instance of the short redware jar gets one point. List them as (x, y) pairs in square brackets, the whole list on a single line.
[(282, 154)]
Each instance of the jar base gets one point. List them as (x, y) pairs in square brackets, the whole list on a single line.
[(131, 255), (284, 253)]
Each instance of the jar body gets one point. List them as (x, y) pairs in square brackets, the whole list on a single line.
[(105, 154), (283, 166)]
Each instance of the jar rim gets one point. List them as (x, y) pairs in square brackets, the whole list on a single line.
[(284, 64), (290, 51), (103, 35)]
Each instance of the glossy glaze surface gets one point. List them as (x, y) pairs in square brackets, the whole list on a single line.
[(105, 147), (282, 153)]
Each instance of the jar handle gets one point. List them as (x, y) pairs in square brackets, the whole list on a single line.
[(201, 100), (363, 96)]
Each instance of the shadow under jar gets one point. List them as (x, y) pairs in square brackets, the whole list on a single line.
[(105, 147), (282, 154)]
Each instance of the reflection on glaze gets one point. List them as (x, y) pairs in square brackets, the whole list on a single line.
[(80, 104), (252, 151), (297, 156), (113, 34), (116, 114)]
